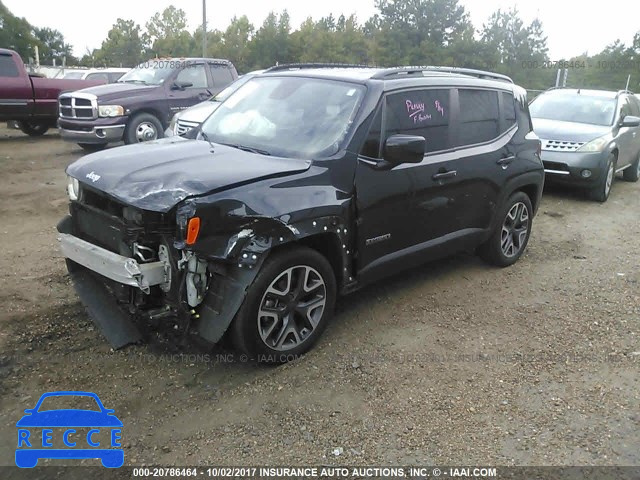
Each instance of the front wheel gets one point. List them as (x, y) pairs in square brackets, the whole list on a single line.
[(287, 307), (600, 193), (33, 129), (510, 237), (143, 127)]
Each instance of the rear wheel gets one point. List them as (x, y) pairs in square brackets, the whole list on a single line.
[(92, 147), (510, 237), (143, 127), (632, 173), (600, 193), (33, 129), (287, 307)]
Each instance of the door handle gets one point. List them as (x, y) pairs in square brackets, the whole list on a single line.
[(445, 175), (503, 162)]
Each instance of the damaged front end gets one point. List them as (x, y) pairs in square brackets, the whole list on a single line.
[(131, 267)]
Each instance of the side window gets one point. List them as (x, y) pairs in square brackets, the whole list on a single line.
[(221, 75), (8, 67), (478, 116), (98, 76), (371, 147), (114, 77), (634, 106), (420, 112), (508, 110), (194, 74)]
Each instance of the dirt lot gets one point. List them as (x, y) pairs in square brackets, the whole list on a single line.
[(452, 363)]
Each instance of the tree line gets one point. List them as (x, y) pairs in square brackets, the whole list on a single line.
[(401, 32)]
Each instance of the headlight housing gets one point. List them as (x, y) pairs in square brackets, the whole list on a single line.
[(73, 188), (110, 111), (596, 145)]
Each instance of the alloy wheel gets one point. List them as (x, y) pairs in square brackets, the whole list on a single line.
[(609, 181), (514, 230), (291, 307)]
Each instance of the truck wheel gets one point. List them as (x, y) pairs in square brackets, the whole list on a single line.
[(511, 235), (33, 129), (632, 173), (600, 193), (92, 147), (143, 127), (287, 307)]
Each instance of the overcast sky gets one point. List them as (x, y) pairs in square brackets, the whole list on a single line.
[(572, 26)]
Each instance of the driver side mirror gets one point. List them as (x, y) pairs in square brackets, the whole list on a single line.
[(181, 85), (404, 149), (630, 121)]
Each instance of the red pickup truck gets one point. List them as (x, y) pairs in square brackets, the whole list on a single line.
[(31, 100)]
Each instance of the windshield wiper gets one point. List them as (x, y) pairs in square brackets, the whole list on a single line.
[(248, 149), (206, 137), (133, 81)]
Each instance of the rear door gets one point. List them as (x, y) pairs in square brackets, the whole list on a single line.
[(195, 74), (481, 137), (16, 93)]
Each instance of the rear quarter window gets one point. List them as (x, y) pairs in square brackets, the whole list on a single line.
[(8, 67)]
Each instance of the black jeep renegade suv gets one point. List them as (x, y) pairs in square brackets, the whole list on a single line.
[(305, 184)]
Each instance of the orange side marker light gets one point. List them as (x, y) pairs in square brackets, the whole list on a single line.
[(193, 228)]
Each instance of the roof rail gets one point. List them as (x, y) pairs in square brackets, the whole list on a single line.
[(298, 66), (390, 72)]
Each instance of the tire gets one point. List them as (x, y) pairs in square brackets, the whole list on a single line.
[(510, 237), (143, 127), (289, 272), (92, 147), (600, 193), (33, 129), (632, 173)]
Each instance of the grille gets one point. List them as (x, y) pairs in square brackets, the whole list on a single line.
[(561, 146), (183, 126), (78, 105)]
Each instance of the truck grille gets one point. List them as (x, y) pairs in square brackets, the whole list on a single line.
[(78, 105), (561, 146), (183, 126)]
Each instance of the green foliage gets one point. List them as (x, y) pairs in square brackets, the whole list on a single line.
[(168, 35), (52, 47), (16, 33), (124, 46)]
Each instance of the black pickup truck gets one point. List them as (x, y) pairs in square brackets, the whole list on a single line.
[(140, 105)]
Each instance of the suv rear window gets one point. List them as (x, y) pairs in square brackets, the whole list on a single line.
[(479, 116), (420, 112), (8, 67)]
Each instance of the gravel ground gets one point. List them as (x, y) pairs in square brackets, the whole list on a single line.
[(452, 363)]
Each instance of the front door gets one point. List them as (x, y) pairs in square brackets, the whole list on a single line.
[(188, 87)]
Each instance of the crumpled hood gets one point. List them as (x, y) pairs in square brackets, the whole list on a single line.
[(120, 90), (567, 131), (158, 175), (198, 113)]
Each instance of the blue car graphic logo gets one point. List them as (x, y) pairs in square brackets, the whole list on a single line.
[(84, 433)]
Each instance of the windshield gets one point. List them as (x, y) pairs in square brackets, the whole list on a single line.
[(286, 116), (151, 73), (226, 93), (577, 108)]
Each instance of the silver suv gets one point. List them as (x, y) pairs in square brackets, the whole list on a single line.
[(588, 136)]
